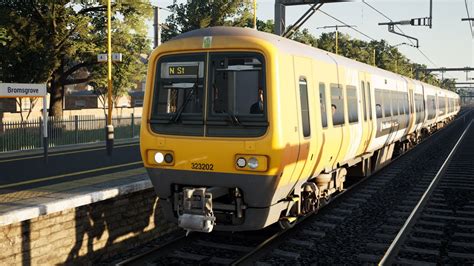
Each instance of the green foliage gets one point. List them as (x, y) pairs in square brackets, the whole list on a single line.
[(4, 38), (57, 42), (204, 13)]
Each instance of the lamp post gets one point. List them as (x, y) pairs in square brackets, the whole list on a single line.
[(110, 128), (337, 32), (254, 14)]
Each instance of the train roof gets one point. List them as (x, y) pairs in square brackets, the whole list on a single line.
[(285, 45), (294, 47)]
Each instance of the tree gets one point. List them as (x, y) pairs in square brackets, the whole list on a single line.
[(204, 13), (31, 103), (51, 40), (200, 14)]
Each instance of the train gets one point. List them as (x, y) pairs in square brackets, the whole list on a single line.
[(242, 129)]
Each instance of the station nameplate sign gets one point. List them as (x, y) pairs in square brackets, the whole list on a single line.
[(22, 90)]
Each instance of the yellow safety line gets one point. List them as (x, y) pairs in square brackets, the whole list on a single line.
[(71, 174), (63, 153)]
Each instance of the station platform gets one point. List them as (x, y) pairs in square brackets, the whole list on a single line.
[(76, 217), (18, 206)]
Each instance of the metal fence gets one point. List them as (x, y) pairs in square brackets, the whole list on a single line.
[(25, 135)]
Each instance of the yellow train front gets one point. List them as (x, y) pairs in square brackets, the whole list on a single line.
[(242, 129), (211, 141)]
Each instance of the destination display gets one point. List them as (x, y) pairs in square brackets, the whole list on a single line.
[(182, 70), (22, 90)]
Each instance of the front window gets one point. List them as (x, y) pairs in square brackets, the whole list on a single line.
[(237, 94), (179, 94), (235, 89)]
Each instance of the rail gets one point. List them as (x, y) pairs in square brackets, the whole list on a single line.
[(265, 243), (395, 246)]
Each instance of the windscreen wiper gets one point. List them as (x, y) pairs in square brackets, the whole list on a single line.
[(233, 118), (176, 117)]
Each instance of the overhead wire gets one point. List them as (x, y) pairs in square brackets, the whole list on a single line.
[(469, 19), (347, 25)]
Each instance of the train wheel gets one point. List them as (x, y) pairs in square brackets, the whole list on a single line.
[(287, 222), (309, 195)]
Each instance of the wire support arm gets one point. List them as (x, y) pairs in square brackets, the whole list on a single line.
[(293, 28), (391, 28)]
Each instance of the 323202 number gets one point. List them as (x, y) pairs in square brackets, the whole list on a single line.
[(202, 166)]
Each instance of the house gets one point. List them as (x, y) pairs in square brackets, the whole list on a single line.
[(136, 98), (81, 100)]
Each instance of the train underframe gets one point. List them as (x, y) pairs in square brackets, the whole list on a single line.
[(209, 203)]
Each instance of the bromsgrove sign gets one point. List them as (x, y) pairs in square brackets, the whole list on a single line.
[(22, 90)]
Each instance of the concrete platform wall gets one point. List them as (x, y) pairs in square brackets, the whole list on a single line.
[(85, 234)]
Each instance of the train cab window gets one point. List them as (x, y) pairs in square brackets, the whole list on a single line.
[(364, 102), (179, 94), (236, 85), (369, 96), (304, 107), (322, 104), (237, 95), (352, 104), (337, 105), (378, 103), (387, 104)]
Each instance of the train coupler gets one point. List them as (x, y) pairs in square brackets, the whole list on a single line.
[(195, 211)]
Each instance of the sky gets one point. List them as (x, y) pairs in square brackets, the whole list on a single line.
[(449, 43)]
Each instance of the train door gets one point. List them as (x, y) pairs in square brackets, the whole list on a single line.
[(364, 117), (304, 91)]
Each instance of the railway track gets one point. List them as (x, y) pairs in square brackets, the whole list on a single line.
[(360, 226), (357, 227), (440, 230)]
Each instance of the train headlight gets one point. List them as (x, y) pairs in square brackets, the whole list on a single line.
[(241, 162), (168, 158), (159, 158), (253, 163), (162, 158)]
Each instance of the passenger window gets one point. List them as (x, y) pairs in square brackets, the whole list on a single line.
[(378, 103), (322, 103), (387, 104), (442, 105), (337, 105), (401, 108), (431, 107), (394, 102), (364, 103), (352, 104), (304, 107)]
